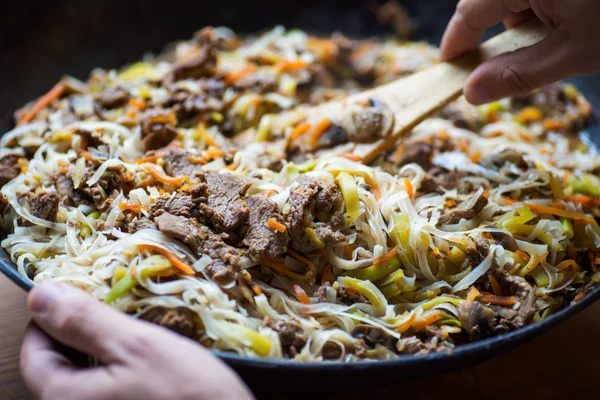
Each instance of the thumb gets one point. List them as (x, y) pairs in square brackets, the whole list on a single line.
[(76, 319), (522, 71)]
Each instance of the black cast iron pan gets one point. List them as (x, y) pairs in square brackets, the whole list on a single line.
[(42, 40)]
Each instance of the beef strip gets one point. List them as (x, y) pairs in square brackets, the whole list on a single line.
[(108, 187), (201, 65), (138, 224), (225, 265), (516, 286), (256, 83), (9, 168), (113, 98), (158, 129), (177, 204), (291, 336), (89, 138), (467, 211), (261, 240), (422, 151), (44, 205), (225, 208), (314, 201), (415, 345), (478, 320), (177, 163), (69, 196), (477, 251), (179, 319), (372, 335)]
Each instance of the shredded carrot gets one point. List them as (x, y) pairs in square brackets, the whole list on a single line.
[(486, 195), (213, 152), (443, 134), (494, 134), (495, 285), (571, 265), (475, 157), (582, 199), (327, 274), (138, 103), (578, 297), (553, 125), (257, 290), (403, 327), (473, 293), (135, 208), (169, 180), (398, 153), (85, 154), (289, 66), (436, 251), (239, 74), (232, 167), (282, 269), (535, 263), (487, 235), (429, 320), (131, 113), (301, 295), (409, 188), (530, 114), (42, 103), (300, 130), (350, 156), (450, 203), (463, 144), (387, 257), (498, 300), (270, 192), (319, 130), (508, 200), (376, 192), (173, 259), (197, 160), (540, 209), (276, 226), (524, 256)]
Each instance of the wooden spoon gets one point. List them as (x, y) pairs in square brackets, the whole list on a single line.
[(416, 97)]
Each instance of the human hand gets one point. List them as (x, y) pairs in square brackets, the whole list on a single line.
[(138, 360), (571, 49)]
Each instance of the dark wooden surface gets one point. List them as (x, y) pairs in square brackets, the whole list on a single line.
[(562, 364)]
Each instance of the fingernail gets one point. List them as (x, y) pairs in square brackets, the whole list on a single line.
[(478, 95), (42, 296)]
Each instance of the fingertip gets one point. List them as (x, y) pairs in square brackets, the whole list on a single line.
[(42, 296)]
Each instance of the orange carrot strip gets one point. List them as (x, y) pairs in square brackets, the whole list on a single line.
[(239, 74), (137, 103), (436, 251), (135, 208), (301, 295), (530, 114), (450, 203), (553, 125), (42, 103), (350, 156), (495, 285), (473, 293), (319, 130), (169, 180), (570, 264), (387, 257), (288, 66), (475, 157), (348, 250), (257, 290), (498, 300), (403, 327), (509, 200), (300, 130), (578, 297), (540, 209), (276, 226), (282, 269), (173, 259), (327, 274), (582, 199), (312, 270), (431, 319), (409, 187)]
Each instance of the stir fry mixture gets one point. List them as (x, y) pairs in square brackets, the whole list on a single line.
[(164, 190)]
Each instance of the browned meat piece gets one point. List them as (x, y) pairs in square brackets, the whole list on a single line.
[(261, 240), (177, 163), (179, 320), (478, 320), (550, 99), (372, 335), (431, 184), (366, 123), (333, 136), (225, 209), (414, 345), (256, 83), (477, 251), (472, 209), (497, 161), (44, 205), (332, 351), (9, 168), (455, 113), (314, 201), (183, 229), (158, 129), (108, 187), (178, 204), (3, 204), (201, 65), (69, 196), (89, 138), (141, 223), (349, 297), (113, 98), (225, 267), (506, 240), (419, 153), (101, 198), (517, 286), (291, 336)]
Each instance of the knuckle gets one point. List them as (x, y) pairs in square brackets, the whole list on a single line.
[(137, 346), (76, 318), (516, 78)]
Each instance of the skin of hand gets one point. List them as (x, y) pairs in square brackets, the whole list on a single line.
[(137, 360), (571, 49)]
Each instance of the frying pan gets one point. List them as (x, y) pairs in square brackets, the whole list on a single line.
[(42, 40)]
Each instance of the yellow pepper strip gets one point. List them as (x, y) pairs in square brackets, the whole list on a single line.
[(350, 195)]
